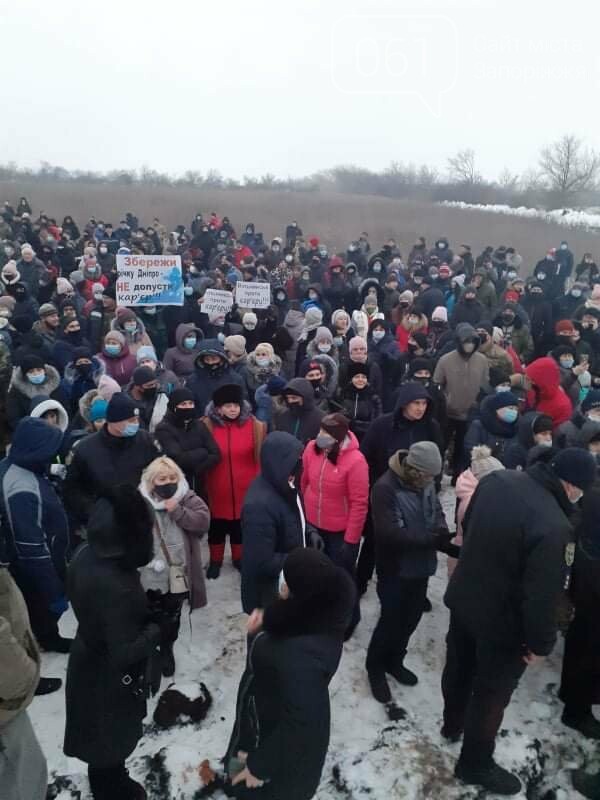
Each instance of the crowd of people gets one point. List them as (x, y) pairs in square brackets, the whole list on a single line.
[(309, 440)]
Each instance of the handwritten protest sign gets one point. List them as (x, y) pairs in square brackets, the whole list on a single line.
[(252, 295), (216, 301), (149, 280)]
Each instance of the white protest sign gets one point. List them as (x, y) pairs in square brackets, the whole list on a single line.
[(252, 295), (149, 280), (216, 301)]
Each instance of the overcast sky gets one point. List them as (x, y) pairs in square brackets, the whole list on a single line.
[(291, 87)]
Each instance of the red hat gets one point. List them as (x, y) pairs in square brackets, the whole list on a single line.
[(444, 270), (564, 326), (511, 296), (313, 241), (336, 261)]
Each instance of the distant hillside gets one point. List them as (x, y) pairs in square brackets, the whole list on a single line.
[(336, 218)]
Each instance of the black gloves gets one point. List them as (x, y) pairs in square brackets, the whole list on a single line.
[(348, 556), (314, 538), (444, 544)]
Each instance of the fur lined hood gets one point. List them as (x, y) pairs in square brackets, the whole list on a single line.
[(20, 383)]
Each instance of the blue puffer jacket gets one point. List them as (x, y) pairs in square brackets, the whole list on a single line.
[(34, 533)]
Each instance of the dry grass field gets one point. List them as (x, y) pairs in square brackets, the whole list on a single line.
[(336, 218)]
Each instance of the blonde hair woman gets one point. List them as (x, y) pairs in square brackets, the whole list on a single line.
[(175, 573)]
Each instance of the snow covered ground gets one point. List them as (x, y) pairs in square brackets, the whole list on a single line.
[(370, 756), (569, 218)]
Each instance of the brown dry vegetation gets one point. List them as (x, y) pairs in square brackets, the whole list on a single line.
[(336, 218)]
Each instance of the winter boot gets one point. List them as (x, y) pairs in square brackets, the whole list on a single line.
[(451, 736), (167, 660), (236, 556), (586, 784), (137, 791), (403, 675), (47, 686), (214, 570), (380, 688), (494, 778), (586, 724)]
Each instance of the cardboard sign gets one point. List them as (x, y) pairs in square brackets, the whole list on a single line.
[(252, 295), (216, 302), (149, 280)]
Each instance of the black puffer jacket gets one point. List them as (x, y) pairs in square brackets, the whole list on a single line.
[(512, 565), (190, 444), (115, 637), (101, 461), (271, 524), (283, 709), (393, 431), (304, 421)]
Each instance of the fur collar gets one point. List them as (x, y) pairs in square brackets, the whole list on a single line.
[(19, 382)]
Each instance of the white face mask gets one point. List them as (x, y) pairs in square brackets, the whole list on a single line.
[(262, 361), (468, 347), (250, 326), (324, 348), (378, 335)]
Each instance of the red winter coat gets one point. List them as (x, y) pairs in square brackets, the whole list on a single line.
[(241, 254), (86, 289), (548, 396), (336, 496), (239, 443)]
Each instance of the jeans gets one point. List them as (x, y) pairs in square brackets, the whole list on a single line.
[(402, 602), (477, 683)]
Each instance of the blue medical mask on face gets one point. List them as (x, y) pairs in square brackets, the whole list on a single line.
[(130, 429), (189, 342), (36, 379), (112, 349), (188, 291), (567, 363), (508, 414)]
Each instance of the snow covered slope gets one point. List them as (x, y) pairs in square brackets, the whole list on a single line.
[(370, 755), (570, 218)]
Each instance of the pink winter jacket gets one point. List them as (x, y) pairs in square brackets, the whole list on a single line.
[(466, 484), (336, 496)]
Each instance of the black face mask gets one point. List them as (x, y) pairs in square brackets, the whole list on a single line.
[(150, 393), (508, 318), (84, 369), (315, 383), (295, 408), (185, 414), (165, 490)]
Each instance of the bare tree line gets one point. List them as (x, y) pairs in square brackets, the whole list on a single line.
[(566, 175)]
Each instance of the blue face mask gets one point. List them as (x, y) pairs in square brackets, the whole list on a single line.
[(190, 343), (36, 379), (567, 363), (188, 290), (112, 349), (131, 429), (508, 414)]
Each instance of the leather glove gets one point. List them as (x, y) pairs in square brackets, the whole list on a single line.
[(444, 543), (314, 538), (348, 556), (59, 606)]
